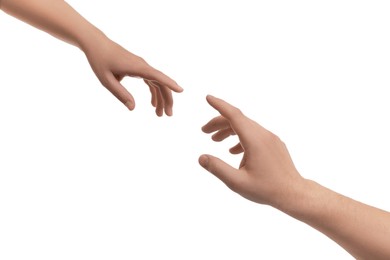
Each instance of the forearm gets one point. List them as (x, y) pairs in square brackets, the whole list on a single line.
[(362, 230), (55, 17)]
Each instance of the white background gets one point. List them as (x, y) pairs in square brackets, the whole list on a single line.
[(81, 177)]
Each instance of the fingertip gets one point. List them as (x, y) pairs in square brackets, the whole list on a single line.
[(130, 105), (168, 109), (168, 112), (203, 160), (159, 113), (216, 138), (212, 101), (233, 150), (164, 80), (209, 98), (236, 149), (178, 89), (206, 130)]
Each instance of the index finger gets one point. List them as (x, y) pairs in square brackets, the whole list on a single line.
[(156, 75), (242, 125)]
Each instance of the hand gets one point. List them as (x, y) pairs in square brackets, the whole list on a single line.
[(111, 63), (266, 174)]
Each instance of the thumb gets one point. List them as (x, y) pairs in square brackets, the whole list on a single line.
[(223, 171)]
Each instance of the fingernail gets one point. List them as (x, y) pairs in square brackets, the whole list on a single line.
[(203, 160), (179, 89), (168, 111), (129, 105)]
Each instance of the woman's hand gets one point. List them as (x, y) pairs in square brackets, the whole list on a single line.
[(111, 63)]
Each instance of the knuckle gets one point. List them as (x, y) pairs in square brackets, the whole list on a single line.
[(275, 138), (271, 137), (142, 61), (236, 112)]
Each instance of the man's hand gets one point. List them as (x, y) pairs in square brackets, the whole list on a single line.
[(266, 174)]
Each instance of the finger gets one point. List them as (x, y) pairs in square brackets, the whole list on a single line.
[(120, 92), (167, 97), (242, 125), (156, 75), (231, 113), (160, 103), (159, 99), (119, 77), (243, 161), (216, 124), (237, 149), (222, 134), (152, 92), (223, 171)]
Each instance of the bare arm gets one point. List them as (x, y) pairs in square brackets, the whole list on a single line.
[(55, 17), (267, 175), (110, 61), (362, 230)]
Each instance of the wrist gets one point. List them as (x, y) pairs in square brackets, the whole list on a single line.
[(89, 37), (300, 199)]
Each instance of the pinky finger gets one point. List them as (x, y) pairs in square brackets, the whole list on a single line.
[(237, 149)]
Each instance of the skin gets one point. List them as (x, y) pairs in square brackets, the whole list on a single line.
[(267, 175), (109, 61)]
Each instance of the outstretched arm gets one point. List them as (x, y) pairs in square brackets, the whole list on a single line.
[(267, 175), (109, 61)]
